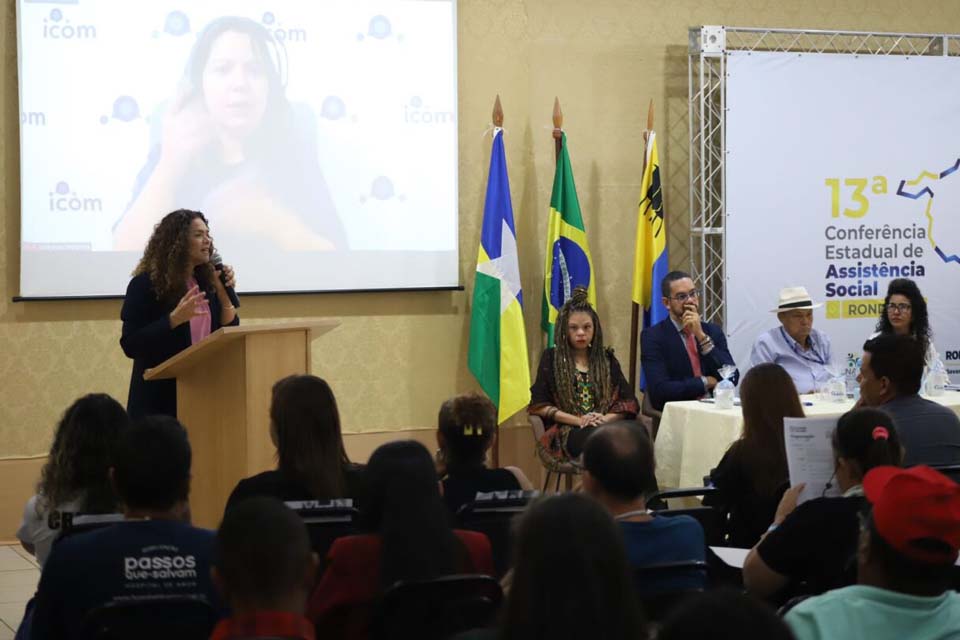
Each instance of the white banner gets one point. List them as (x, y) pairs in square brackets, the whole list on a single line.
[(842, 173)]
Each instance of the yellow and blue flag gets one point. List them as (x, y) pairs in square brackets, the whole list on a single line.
[(568, 262), (497, 354), (650, 262)]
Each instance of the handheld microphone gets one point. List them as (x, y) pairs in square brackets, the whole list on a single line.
[(217, 263)]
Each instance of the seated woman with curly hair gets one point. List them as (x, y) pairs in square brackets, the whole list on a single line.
[(76, 477), (579, 383)]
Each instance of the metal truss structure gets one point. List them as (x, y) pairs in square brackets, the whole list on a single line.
[(707, 61)]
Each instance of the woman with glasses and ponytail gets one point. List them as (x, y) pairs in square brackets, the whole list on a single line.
[(466, 429), (813, 546)]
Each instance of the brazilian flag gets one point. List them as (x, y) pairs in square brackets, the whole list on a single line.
[(568, 262)]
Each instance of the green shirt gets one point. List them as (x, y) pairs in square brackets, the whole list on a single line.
[(870, 613)]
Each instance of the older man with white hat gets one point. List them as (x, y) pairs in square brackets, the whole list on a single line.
[(795, 345)]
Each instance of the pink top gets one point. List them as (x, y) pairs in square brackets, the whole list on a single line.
[(199, 324)]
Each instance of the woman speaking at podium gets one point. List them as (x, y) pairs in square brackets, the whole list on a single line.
[(176, 298)]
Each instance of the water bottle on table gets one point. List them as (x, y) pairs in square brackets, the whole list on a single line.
[(723, 392), (937, 379)]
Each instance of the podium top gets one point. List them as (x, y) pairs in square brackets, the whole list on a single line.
[(224, 336)]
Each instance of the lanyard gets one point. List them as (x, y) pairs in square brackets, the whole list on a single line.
[(800, 352), (630, 514)]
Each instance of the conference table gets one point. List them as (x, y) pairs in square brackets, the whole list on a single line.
[(694, 435)]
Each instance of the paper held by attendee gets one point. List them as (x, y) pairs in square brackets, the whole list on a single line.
[(810, 456)]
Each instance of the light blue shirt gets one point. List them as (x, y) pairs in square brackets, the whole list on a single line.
[(807, 368), (868, 613)]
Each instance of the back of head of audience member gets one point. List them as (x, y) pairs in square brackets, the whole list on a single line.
[(892, 366), (724, 614), (83, 450), (466, 428), (571, 577), (152, 469), (263, 559), (767, 396), (402, 503), (305, 427), (618, 466), (910, 535), (864, 439)]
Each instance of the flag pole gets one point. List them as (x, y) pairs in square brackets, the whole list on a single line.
[(497, 122), (558, 146), (557, 126), (635, 308)]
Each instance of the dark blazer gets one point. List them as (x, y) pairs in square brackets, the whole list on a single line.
[(666, 365), (148, 339)]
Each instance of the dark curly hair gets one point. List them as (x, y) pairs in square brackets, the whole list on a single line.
[(919, 318), (167, 257), (84, 448), (564, 367)]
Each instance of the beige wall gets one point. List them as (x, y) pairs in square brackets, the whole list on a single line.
[(396, 356)]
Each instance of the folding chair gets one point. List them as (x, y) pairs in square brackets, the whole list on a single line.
[(72, 524), (661, 587), (326, 521), (563, 469), (183, 618), (436, 609), (492, 514), (952, 471), (712, 520)]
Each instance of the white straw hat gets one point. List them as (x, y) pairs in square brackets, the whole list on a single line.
[(795, 298)]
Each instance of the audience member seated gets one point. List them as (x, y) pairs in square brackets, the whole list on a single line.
[(75, 478), (467, 427), (410, 539), (153, 554), (619, 474), (908, 547), (890, 374), (815, 543), (723, 614), (571, 577), (752, 475), (795, 345), (311, 461), (579, 383), (905, 314), (264, 571), (682, 355)]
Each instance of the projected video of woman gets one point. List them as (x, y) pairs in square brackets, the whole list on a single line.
[(232, 145)]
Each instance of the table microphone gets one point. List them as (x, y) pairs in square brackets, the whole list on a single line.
[(217, 263)]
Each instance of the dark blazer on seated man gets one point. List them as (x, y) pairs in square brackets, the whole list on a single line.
[(669, 349)]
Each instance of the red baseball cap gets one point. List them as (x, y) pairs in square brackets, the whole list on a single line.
[(913, 504)]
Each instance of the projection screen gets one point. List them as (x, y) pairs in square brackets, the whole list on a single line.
[(319, 139)]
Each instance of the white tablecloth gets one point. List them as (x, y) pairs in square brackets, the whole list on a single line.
[(694, 435)]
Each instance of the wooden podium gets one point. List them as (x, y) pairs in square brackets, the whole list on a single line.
[(223, 400)]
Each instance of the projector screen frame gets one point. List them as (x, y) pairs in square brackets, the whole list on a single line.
[(247, 294)]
